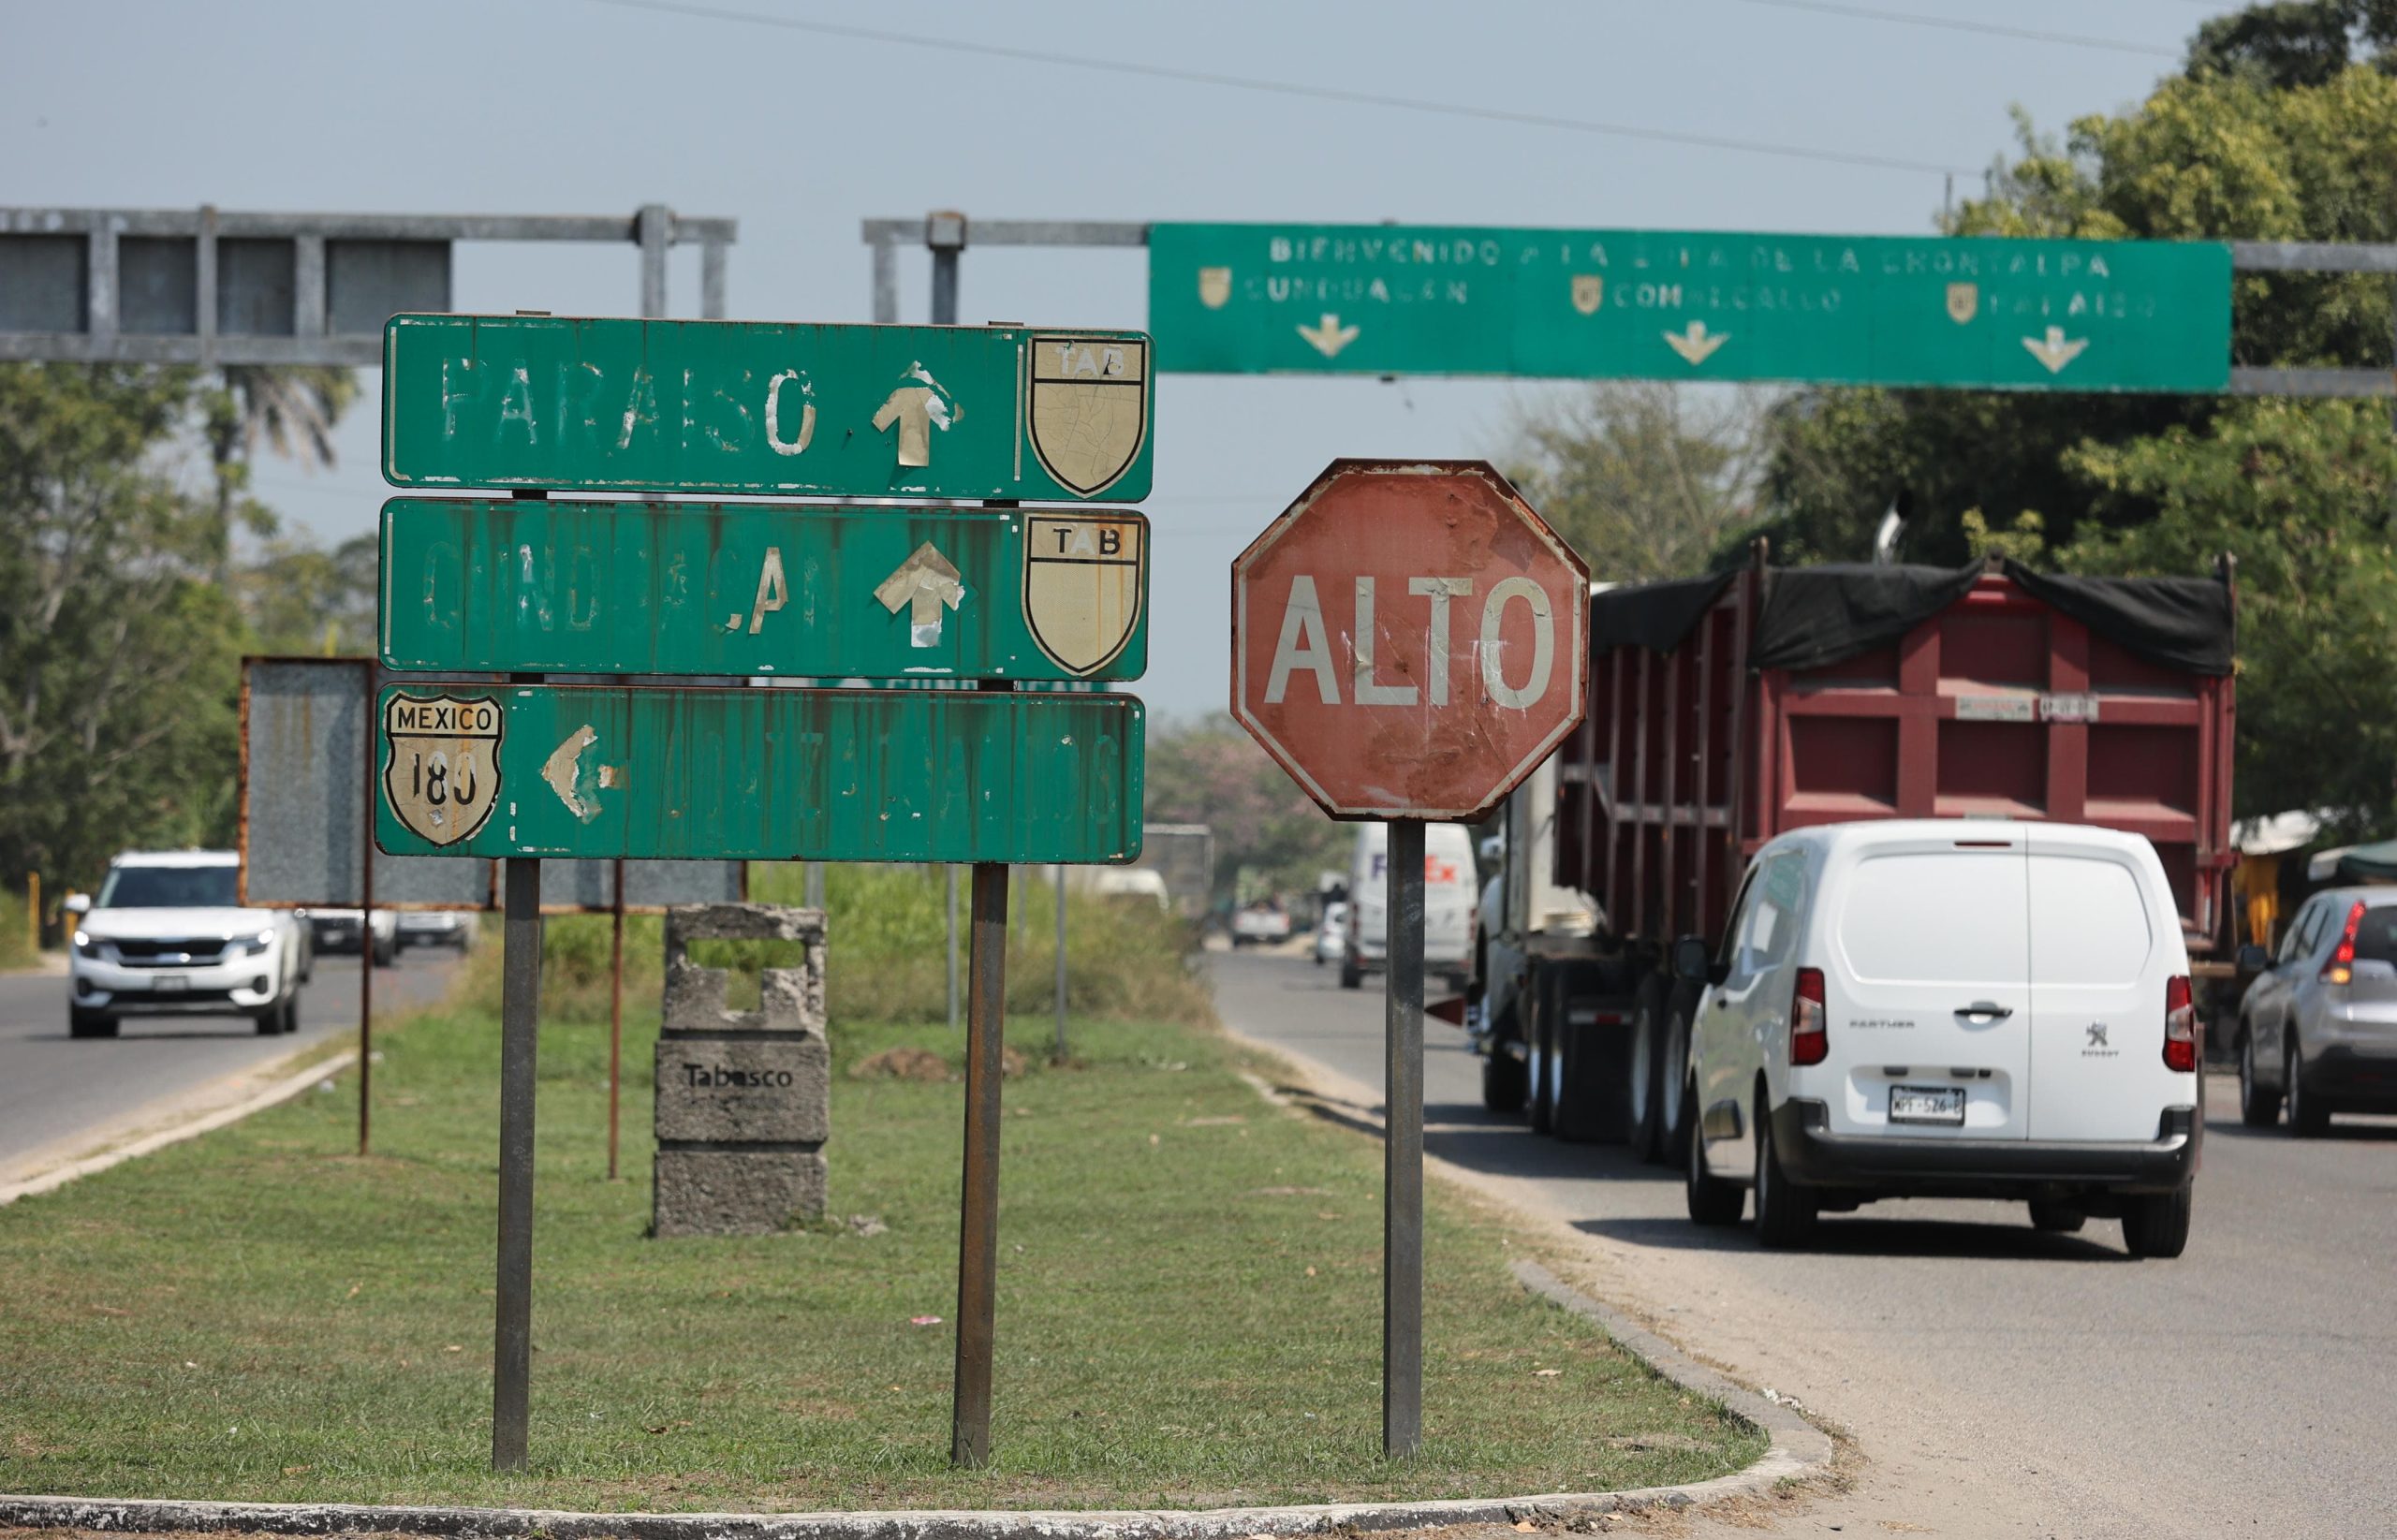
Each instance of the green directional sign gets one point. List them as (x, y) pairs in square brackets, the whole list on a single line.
[(941, 412), (757, 774), (764, 589), (1691, 305)]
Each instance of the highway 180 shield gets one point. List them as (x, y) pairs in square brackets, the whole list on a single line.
[(1083, 582), (442, 778), (1089, 411)]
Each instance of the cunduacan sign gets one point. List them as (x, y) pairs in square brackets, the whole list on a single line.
[(763, 589)]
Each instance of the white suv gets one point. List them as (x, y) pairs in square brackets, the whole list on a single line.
[(167, 936), (1956, 1008)]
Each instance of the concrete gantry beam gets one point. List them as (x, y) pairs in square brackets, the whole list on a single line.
[(62, 294)]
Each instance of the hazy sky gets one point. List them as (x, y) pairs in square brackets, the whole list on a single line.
[(588, 106)]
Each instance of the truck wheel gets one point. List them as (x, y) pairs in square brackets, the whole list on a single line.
[(2057, 1218), (1352, 976), (2308, 1119), (1786, 1212), (83, 1023), (1502, 1079), (2258, 1107), (1544, 1065), (1672, 1069), (1647, 1081), (269, 1021), (387, 952), (2157, 1225), (1713, 1201), (291, 1012)]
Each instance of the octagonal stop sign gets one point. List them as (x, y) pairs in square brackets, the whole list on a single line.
[(1409, 638)]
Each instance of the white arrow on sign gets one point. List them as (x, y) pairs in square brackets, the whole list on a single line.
[(923, 582), (1328, 336), (1696, 344), (563, 770), (2054, 351)]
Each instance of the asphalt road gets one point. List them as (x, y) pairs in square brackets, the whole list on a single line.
[(1998, 1381), (54, 1087)]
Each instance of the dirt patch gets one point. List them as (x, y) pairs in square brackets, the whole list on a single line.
[(902, 1063), (927, 1067)]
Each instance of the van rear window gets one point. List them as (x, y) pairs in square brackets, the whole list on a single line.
[(2088, 922), (1939, 916)]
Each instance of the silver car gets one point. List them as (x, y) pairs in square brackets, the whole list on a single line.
[(2318, 1028)]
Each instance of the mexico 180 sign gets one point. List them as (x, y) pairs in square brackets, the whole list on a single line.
[(1409, 639)]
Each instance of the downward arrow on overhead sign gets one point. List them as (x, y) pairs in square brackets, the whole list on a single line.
[(1328, 336), (923, 582), (2055, 351)]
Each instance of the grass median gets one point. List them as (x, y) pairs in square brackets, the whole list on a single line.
[(1189, 1307)]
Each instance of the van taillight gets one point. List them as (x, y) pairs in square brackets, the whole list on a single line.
[(2180, 1027), (1810, 1043), (2340, 968)]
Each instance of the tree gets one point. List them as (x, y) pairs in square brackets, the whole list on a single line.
[(1210, 771), (117, 652), (2283, 127), (1645, 480), (291, 409), (300, 597), (2299, 494)]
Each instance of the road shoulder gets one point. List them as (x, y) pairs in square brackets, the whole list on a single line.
[(171, 1119)]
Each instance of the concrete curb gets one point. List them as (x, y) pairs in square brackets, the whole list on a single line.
[(281, 1089)]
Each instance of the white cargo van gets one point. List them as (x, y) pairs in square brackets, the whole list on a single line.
[(1451, 894), (1961, 1008)]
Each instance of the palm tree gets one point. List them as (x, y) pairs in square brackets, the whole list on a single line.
[(292, 408)]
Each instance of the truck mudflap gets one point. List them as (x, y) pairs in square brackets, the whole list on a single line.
[(2008, 1168)]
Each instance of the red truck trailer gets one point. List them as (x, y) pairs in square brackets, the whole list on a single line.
[(1726, 709)]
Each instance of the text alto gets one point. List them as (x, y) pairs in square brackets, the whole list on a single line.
[(1303, 648)]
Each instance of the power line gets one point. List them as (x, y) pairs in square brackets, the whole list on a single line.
[(1988, 29), (1284, 88)]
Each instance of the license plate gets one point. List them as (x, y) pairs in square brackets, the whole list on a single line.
[(170, 983), (1927, 1104)]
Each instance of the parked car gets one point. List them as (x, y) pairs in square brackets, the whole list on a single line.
[(1331, 936), (2317, 1029), (435, 928), (337, 931), (1946, 1009), (167, 936), (1261, 923)]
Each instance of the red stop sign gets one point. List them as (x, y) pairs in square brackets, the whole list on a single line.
[(1409, 638)]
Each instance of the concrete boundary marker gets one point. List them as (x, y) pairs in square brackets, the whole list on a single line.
[(281, 1089)]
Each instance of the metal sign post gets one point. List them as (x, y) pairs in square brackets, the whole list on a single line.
[(520, 1014), (1061, 964), (977, 1230), (1403, 1149), (366, 955), (615, 1018)]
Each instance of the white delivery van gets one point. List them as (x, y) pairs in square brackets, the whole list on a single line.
[(1949, 1009), (1452, 895)]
